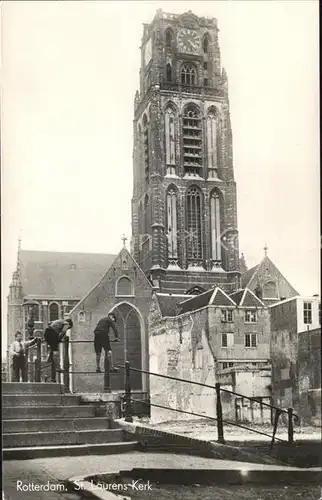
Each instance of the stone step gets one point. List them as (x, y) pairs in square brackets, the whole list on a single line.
[(30, 412), (17, 440), (11, 388), (39, 400), (51, 424), (28, 453)]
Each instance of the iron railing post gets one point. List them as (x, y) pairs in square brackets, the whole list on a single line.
[(66, 363), (38, 362), (107, 372), (290, 425), (277, 416), (220, 424), (127, 399)]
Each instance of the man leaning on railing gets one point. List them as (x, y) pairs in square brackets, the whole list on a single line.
[(54, 334), (18, 350)]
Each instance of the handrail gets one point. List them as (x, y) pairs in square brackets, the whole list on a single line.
[(251, 398), (208, 417)]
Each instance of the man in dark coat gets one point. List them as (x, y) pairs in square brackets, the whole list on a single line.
[(102, 339), (53, 335)]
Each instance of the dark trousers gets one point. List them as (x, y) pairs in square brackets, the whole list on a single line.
[(19, 366)]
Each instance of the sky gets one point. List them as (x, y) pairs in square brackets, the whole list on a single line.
[(69, 72)]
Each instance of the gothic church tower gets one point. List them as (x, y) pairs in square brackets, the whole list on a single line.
[(184, 214)]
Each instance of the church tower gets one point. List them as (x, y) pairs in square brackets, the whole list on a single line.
[(184, 213)]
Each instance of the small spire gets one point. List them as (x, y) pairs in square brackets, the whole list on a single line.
[(124, 239), (265, 249)]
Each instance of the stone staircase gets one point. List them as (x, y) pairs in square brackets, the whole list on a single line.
[(39, 419)]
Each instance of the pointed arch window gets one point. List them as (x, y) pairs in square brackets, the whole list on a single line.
[(212, 146), (188, 74), (215, 226), (172, 224), (192, 140), (194, 224), (170, 139), (124, 287)]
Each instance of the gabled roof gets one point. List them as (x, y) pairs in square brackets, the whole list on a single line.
[(246, 298), (196, 302), (61, 274), (214, 296), (169, 303), (220, 298), (237, 296)]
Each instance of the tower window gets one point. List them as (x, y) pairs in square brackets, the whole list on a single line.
[(215, 227), (194, 225), (192, 140), (146, 148), (169, 72), (172, 224), (168, 39), (205, 82), (212, 142), (206, 44), (205, 65), (169, 138), (188, 74)]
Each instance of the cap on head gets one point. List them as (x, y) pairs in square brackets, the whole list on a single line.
[(18, 333), (112, 315)]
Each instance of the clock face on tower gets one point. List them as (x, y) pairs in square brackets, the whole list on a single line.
[(188, 40)]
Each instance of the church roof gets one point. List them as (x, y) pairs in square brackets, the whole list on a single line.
[(61, 274), (247, 277)]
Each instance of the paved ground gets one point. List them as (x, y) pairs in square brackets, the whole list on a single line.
[(202, 429), (54, 471)]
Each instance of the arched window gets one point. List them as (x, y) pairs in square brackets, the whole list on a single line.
[(169, 72), (168, 39), (81, 317), (146, 139), (53, 311), (192, 140), (215, 226), (270, 290), (188, 75), (194, 224), (172, 223), (212, 148), (124, 287), (169, 137), (141, 218)]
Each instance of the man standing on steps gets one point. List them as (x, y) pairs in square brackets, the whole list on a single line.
[(18, 351), (102, 339), (53, 335)]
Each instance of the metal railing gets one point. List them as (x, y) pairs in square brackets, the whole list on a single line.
[(128, 413), (65, 372)]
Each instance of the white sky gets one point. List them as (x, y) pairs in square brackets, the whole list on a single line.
[(69, 75)]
